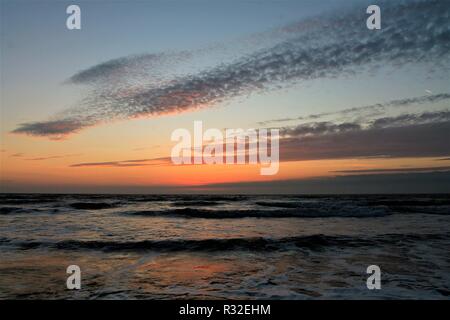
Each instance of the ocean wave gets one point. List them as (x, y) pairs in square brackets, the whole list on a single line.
[(181, 198), (92, 205), (231, 206), (354, 212), (196, 203), (27, 201), (278, 204), (18, 210), (312, 242), (444, 201), (439, 210), (8, 210)]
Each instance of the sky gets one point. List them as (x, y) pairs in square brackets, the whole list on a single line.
[(92, 110)]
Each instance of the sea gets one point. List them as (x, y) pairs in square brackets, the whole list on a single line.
[(224, 246)]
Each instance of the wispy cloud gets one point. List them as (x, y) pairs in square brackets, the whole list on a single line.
[(53, 128), (365, 111), (53, 157), (326, 127), (319, 128), (147, 148), (17, 155), (384, 170), (137, 66), (125, 163), (408, 119), (329, 46)]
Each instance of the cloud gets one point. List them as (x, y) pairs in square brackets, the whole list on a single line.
[(329, 128), (383, 183), (386, 183), (330, 46), (384, 170), (54, 128), (147, 148), (138, 66), (17, 155), (125, 163), (407, 119), (44, 158), (367, 110), (53, 157), (408, 135), (319, 128), (418, 140), (343, 141)]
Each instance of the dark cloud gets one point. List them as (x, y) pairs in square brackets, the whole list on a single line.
[(428, 182), (45, 158), (384, 170), (138, 66), (53, 157), (17, 155), (147, 148), (329, 128), (419, 140), (409, 135), (407, 119), (319, 128), (329, 46), (125, 163), (364, 110), (55, 128)]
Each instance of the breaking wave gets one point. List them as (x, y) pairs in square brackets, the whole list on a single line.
[(355, 212), (229, 206), (313, 242)]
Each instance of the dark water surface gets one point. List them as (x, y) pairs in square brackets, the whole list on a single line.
[(220, 247)]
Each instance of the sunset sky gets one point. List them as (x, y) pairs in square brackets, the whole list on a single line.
[(92, 110)]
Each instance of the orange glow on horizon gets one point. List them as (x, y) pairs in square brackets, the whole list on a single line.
[(59, 171)]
